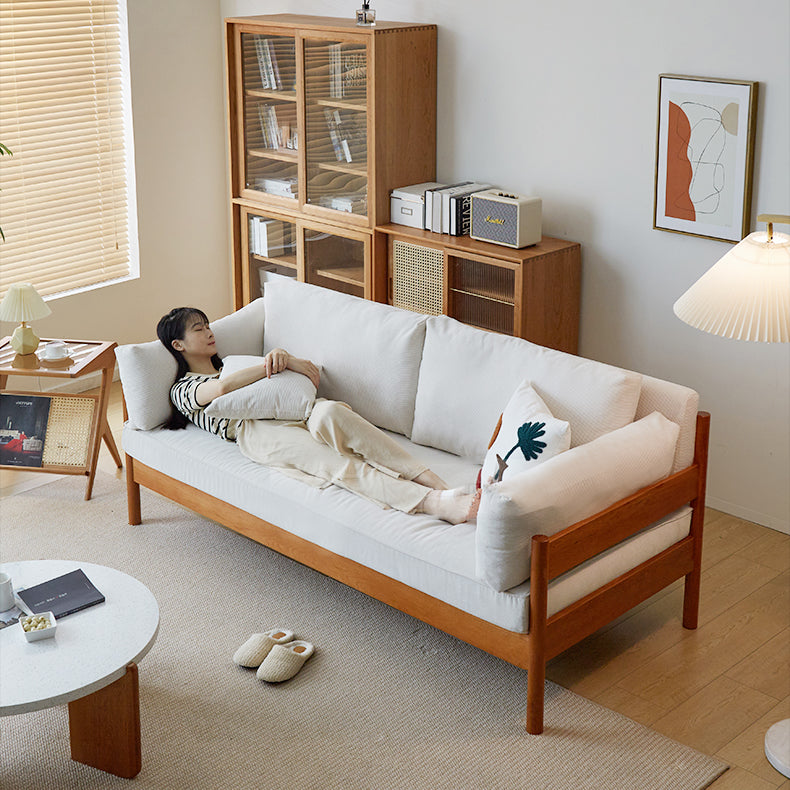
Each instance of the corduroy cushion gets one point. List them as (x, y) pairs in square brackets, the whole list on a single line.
[(567, 488)]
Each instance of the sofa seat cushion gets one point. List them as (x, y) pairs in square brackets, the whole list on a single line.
[(467, 377), (370, 353), (424, 553)]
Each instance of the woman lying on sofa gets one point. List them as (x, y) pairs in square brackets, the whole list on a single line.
[(334, 445)]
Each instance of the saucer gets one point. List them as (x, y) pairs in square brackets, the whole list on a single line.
[(62, 362)]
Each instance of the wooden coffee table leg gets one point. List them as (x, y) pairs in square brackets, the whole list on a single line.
[(105, 727)]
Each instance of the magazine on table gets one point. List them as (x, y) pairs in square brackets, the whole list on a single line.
[(63, 595)]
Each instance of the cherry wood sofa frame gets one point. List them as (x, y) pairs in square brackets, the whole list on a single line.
[(551, 557)]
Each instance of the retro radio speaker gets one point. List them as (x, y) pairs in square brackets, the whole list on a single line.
[(503, 218)]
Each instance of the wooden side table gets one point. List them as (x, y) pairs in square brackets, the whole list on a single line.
[(75, 425)]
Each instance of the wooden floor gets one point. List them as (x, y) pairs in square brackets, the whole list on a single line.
[(717, 689)]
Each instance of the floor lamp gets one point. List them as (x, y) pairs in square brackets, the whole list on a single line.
[(746, 296)]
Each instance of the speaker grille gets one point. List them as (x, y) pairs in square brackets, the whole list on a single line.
[(506, 213), (417, 276)]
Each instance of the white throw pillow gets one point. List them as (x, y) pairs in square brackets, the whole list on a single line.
[(285, 396), (528, 436), (570, 487)]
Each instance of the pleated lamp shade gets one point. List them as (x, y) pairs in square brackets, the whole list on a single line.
[(746, 295), (23, 303)]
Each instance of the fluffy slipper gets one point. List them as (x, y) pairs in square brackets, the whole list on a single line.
[(284, 661), (257, 647)]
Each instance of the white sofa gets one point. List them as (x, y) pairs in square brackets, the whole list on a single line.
[(555, 553)]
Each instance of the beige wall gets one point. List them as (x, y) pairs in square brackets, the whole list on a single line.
[(176, 55)]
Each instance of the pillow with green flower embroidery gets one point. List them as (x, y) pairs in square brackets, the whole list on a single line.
[(528, 436)]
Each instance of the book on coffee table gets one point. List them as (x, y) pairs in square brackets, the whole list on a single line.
[(63, 595)]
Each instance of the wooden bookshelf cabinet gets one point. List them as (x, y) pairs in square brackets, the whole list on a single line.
[(325, 119), (532, 293)]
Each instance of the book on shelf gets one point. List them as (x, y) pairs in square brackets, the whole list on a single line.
[(348, 68), (284, 187), (433, 205), (459, 210), (270, 237), (277, 132), (63, 595), (276, 63), (348, 134)]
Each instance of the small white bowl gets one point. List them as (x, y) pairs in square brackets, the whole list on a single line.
[(42, 633)]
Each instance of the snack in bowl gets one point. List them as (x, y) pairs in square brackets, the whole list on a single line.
[(38, 626)]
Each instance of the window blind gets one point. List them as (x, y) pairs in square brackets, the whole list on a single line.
[(64, 192)]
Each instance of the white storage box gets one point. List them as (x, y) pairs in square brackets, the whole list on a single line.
[(407, 204)]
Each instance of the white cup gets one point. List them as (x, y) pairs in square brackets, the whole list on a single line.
[(6, 592), (54, 350)]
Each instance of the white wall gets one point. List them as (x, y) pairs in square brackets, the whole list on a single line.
[(559, 100), (553, 99)]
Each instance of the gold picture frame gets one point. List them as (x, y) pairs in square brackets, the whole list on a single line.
[(704, 156)]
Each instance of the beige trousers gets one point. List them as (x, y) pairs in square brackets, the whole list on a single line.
[(336, 445)]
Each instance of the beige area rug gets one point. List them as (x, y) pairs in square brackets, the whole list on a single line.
[(385, 703)]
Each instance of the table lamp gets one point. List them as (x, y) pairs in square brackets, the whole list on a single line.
[(23, 303), (746, 296)]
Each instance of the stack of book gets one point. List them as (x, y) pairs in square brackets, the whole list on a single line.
[(284, 187), (270, 237), (348, 70), (352, 202), (448, 208)]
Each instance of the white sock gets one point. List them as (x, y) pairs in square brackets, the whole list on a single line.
[(452, 505)]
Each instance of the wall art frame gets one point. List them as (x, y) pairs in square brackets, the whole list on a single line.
[(705, 156)]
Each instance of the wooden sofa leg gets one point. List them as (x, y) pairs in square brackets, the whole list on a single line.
[(132, 494), (692, 583), (538, 607)]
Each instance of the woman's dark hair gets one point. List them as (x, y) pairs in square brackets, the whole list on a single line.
[(172, 327)]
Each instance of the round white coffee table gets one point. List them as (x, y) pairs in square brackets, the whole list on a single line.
[(91, 664)]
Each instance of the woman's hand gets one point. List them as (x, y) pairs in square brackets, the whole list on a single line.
[(306, 368), (276, 361)]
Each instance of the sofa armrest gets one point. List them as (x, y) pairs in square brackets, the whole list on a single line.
[(572, 486)]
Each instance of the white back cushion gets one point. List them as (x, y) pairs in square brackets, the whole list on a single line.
[(370, 352), (572, 486), (467, 376), (148, 370)]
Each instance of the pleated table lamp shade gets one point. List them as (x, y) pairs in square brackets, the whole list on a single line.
[(23, 303), (746, 295)]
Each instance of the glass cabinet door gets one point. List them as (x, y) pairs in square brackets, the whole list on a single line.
[(482, 294), (336, 144), (271, 251), (334, 261), (269, 108)]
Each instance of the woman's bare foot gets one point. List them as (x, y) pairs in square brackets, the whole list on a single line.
[(430, 479), (451, 505)]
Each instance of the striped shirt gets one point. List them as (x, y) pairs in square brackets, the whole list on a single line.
[(184, 396)]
